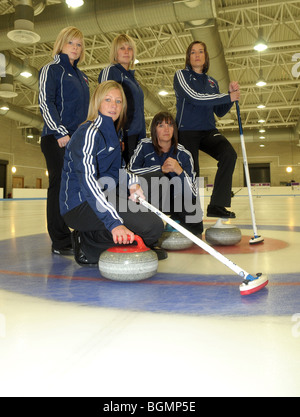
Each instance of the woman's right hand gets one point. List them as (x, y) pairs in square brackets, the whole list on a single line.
[(122, 235), (235, 95)]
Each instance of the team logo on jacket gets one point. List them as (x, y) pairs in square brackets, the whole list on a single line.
[(86, 79), (110, 149), (211, 83)]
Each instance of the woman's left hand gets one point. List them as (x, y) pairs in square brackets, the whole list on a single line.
[(62, 142), (171, 165), (234, 86)]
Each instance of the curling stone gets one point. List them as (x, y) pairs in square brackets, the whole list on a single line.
[(173, 240), (223, 234), (128, 262)]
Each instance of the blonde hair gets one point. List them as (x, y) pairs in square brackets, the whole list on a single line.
[(117, 43), (65, 36), (98, 96)]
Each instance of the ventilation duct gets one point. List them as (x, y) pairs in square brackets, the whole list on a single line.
[(273, 135), (20, 115), (151, 103), (7, 86), (23, 31), (297, 128), (13, 65), (103, 16)]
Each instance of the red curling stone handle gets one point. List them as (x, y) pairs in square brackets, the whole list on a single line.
[(140, 247)]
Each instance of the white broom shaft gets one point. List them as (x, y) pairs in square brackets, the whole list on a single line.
[(246, 168), (241, 272), (248, 181)]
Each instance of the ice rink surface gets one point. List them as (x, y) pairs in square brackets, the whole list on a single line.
[(187, 331)]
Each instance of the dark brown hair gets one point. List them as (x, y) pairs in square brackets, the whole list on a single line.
[(188, 54), (158, 119)]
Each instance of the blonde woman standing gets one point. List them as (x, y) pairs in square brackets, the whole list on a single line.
[(122, 58), (64, 101)]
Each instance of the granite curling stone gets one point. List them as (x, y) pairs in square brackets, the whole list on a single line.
[(223, 234), (128, 262), (171, 239)]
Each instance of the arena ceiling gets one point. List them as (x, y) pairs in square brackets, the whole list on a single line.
[(162, 31)]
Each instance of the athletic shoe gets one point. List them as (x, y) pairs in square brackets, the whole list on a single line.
[(160, 252), (195, 228), (79, 255), (66, 251), (222, 212)]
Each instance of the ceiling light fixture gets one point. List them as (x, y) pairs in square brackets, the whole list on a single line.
[(26, 74), (163, 93), (74, 3), (260, 44), (261, 106), (261, 81)]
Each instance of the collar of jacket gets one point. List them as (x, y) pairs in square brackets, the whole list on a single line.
[(107, 120), (189, 68), (64, 58), (106, 123), (122, 69), (170, 152)]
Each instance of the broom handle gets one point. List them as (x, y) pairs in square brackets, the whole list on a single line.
[(246, 168), (241, 272)]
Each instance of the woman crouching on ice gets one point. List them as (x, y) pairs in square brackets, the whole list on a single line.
[(92, 167)]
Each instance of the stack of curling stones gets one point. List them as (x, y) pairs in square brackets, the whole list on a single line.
[(171, 239), (128, 262), (223, 234)]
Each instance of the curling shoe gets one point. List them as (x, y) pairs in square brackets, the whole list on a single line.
[(222, 212), (66, 251), (160, 252), (79, 255)]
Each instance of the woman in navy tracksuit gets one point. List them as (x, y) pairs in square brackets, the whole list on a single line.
[(122, 57), (198, 99), (95, 186), (64, 101), (161, 157)]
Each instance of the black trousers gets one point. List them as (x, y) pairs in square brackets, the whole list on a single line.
[(171, 199), (94, 236), (219, 148), (57, 228), (130, 143)]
